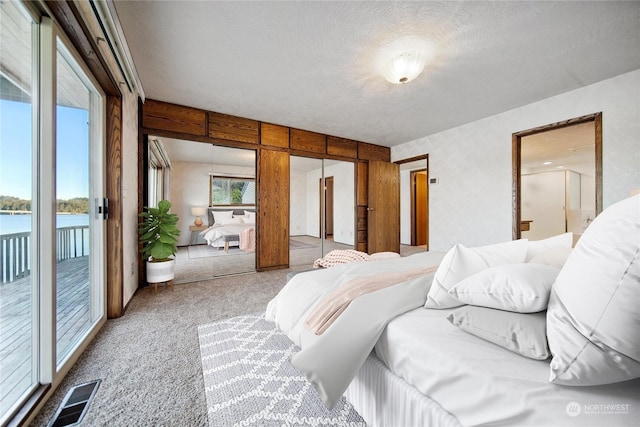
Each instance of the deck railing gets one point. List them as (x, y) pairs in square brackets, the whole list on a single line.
[(15, 250)]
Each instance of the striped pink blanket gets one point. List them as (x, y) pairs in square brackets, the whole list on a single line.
[(336, 302)]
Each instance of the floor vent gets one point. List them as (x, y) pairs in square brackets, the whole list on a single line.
[(75, 405)]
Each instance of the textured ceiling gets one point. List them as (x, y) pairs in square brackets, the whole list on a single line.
[(311, 65)]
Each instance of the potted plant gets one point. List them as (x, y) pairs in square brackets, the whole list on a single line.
[(159, 232)]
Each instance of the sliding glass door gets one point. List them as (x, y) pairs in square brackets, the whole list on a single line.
[(78, 172), (51, 233), (322, 208), (18, 292)]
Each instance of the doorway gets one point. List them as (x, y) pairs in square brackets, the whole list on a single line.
[(419, 207), (557, 178), (414, 203), (328, 207)]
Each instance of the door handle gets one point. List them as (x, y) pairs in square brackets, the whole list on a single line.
[(370, 209)]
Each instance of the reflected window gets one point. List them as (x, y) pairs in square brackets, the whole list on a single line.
[(232, 191)]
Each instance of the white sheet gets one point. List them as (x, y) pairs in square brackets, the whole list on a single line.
[(480, 383), (384, 400)]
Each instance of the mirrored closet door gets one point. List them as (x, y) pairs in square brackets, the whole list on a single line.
[(322, 208), (212, 189)]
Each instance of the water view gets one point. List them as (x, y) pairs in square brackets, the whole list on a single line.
[(10, 224)]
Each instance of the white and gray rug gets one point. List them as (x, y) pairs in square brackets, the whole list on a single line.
[(249, 381)]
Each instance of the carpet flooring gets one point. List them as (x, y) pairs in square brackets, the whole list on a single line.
[(249, 380), (149, 359)]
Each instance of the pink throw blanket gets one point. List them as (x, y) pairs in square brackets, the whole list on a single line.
[(335, 303), (248, 240), (341, 256)]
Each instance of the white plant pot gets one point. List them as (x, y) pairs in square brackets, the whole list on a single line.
[(158, 272)]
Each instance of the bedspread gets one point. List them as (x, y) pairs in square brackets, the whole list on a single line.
[(331, 360)]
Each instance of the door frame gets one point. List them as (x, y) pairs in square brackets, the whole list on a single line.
[(410, 160), (516, 162)]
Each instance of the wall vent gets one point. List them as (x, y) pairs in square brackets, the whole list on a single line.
[(74, 405)]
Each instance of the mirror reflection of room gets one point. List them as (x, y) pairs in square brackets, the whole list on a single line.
[(558, 190), (322, 197), (212, 190)]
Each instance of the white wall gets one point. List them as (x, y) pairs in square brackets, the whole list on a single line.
[(471, 204), (298, 203), (190, 187), (129, 195)]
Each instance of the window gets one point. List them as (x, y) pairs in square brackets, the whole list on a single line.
[(232, 191)]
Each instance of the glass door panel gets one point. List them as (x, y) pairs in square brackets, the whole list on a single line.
[(339, 206), (18, 373), (305, 222), (78, 232)]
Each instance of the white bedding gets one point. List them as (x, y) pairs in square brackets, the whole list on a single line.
[(481, 383), (214, 234), (332, 359)]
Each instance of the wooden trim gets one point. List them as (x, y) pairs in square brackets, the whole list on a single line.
[(412, 196), (413, 159), (115, 260), (143, 188), (368, 151), (516, 167), (200, 138), (68, 17), (598, 148), (516, 163), (174, 118)]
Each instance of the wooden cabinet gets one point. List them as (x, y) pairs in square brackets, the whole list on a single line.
[(342, 147), (232, 128), (274, 135), (173, 118), (272, 237), (304, 140)]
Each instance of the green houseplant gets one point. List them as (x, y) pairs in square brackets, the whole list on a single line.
[(159, 233)]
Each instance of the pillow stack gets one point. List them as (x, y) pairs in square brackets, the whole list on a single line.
[(505, 288), (593, 320)]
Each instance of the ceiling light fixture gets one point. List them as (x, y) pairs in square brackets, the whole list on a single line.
[(404, 67), (546, 163), (404, 59)]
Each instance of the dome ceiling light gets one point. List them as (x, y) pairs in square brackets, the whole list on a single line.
[(404, 59), (404, 67)]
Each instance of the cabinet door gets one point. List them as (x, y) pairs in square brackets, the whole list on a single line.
[(272, 237), (383, 207)]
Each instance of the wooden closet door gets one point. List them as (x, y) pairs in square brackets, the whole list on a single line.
[(272, 234), (383, 207)]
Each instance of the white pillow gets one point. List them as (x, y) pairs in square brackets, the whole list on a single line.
[(593, 321), (461, 262), (227, 221), (249, 221), (536, 247), (524, 334), (250, 215), (220, 216), (556, 257), (522, 288)]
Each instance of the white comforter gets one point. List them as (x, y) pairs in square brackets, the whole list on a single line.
[(331, 360), (217, 231)]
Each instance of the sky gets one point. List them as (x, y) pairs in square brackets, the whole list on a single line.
[(72, 151)]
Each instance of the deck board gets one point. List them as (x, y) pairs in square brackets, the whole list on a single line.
[(73, 310)]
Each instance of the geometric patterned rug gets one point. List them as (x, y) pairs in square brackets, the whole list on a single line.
[(249, 381)]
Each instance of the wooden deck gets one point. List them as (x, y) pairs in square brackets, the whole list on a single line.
[(73, 312)]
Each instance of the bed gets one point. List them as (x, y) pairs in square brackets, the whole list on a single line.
[(561, 349), (230, 228)]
